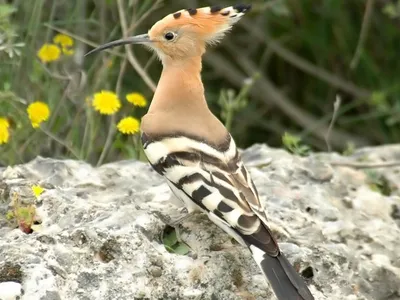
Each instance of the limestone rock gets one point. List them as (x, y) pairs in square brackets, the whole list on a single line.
[(100, 232)]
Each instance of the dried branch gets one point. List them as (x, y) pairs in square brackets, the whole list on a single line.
[(81, 39), (265, 91), (336, 107), (135, 24), (131, 57), (357, 165), (363, 34), (111, 129), (304, 65)]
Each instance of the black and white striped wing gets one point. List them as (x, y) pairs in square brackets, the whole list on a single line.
[(216, 182)]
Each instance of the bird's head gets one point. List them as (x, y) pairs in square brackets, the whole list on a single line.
[(185, 33)]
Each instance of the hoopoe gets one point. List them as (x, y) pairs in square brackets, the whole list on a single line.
[(192, 149)]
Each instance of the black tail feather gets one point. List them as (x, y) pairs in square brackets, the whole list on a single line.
[(285, 281)]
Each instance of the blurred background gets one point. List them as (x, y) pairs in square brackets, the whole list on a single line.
[(307, 75)]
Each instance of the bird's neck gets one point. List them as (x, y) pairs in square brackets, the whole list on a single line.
[(179, 105), (180, 85)]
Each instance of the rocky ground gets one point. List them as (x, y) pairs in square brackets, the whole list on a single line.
[(98, 234)]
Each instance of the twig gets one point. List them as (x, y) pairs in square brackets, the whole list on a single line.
[(85, 134), (150, 61), (131, 57), (144, 16), (55, 116), (61, 142), (56, 76), (107, 145), (356, 165), (120, 76), (265, 91), (303, 64), (363, 34), (111, 129), (336, 107), (82, 40)]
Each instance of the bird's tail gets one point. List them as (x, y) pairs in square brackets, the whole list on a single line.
[(285, 281)]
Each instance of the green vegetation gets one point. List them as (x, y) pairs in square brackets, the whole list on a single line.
[(173, 243), (293, 144), (22, 215), (297, 55)]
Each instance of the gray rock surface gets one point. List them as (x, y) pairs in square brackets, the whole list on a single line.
[(100, 235)]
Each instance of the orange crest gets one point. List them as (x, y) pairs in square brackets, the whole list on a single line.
[(185, 33), (208, 23)]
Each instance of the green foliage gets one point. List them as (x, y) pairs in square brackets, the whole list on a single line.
[(231, 103), (392, 9), (21, 215), (8, 33), (350, 149), (293, 144), (172, 243), (378, 183), (298, 54)]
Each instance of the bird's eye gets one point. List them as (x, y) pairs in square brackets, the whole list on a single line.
[(169, 36)]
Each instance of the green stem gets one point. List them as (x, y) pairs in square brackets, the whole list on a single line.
[(107, 145), (229, 118), (61, 142)]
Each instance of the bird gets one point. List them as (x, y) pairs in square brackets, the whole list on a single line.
[(191, 148)]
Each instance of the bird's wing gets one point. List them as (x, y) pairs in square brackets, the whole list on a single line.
[(217, 182)]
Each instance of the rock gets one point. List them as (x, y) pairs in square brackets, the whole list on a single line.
[(10, 290), (100, 235)]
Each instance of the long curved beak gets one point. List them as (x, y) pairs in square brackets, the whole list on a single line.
[(137, 39)]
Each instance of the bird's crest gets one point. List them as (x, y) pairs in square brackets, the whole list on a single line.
[(186, 32), (210, 23)]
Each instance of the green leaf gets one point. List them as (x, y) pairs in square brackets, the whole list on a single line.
[(6, 86), (292, 143), (390, 10), (181, 249), (6, 10), (170, 239), (9, 215), (379, 100)]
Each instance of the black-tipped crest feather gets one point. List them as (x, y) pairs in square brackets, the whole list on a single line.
[(242, 7)]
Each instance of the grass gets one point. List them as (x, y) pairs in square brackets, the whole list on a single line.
[(322, 54)]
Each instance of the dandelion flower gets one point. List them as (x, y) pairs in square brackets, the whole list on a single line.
[(49, 52), (68, 52), (128, 125), (4, 133), (136, 99), (37, 190), (64, 40), (106, 102), (38, 112), (65, 43)]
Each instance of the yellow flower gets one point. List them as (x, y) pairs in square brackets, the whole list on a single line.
[(37, 190), (106, 102), (64, 40), (136, 99), (49, 52), (4, 133), (67, 51), (65, 43), (128, 125), (38, 112)]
